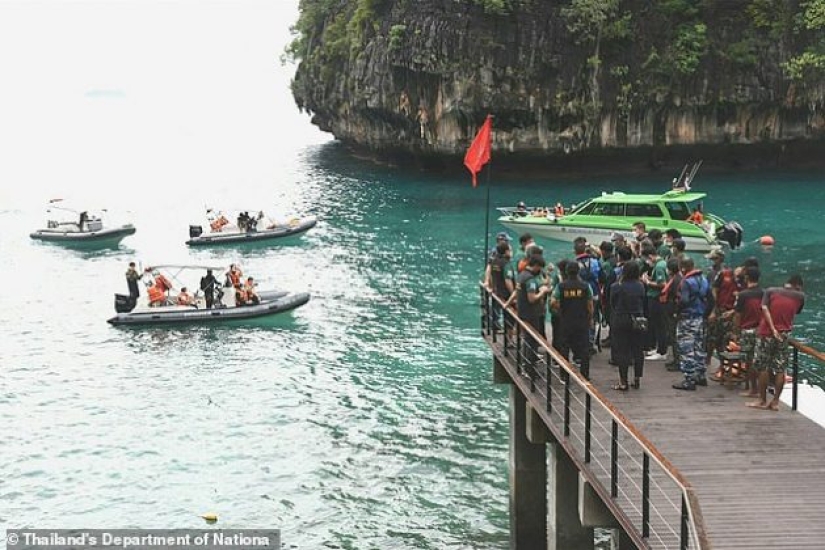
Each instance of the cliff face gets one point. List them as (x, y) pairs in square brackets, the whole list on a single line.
[(418, 77)]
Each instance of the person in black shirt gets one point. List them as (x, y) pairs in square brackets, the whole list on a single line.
[(573, 301), (627, 298), (208, 285)]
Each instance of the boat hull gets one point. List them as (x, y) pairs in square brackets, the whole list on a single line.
[(272, 303), (104, 237), (237, 237), (562, 232)]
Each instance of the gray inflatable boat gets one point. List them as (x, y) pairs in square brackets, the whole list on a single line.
[(271, 303), (235, 236)]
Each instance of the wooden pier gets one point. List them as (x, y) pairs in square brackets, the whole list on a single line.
[(673, 469)]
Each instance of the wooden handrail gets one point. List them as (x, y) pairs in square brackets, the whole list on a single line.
[(816, 354), (694, 510)]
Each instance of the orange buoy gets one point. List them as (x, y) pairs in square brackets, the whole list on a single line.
[(766, 240)]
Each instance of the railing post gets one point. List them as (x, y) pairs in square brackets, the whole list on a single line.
[(567, 408), (683, 538), (519, 348), (614, 458), (484, 315), (587, 414), (646, 495), (507, 324), (548, 386), (795, 386)]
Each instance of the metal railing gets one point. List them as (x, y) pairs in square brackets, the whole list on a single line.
[(650, 498), (810, 376)]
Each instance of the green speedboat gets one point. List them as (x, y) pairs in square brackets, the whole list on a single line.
[(598, 218)]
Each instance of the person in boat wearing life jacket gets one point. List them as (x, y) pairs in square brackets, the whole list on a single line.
[(157, 292), (558, 210), (184, 298), (245, 294), (696, 216), (233, 276)]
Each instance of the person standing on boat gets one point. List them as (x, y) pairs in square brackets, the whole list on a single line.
[(208, 285), (132, 278), (779, 308)]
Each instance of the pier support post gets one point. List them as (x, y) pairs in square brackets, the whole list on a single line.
[(528, 481), (500, 374), (620, 541), (565, 530)]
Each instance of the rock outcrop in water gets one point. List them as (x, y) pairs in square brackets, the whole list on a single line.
[(565, 79)]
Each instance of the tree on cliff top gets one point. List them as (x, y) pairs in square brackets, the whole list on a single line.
[(590, 22)]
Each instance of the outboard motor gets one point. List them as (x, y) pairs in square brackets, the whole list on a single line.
[(124, 304), (731, 233), (195, 231)]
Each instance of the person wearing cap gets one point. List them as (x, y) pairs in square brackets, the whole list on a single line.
[(720, 321), (521, 209), (502, 237)]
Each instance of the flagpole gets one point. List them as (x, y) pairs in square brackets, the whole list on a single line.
[(487, 218)]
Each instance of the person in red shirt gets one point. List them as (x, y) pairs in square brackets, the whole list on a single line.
[(746, 320), (779, 308), (720, 321)]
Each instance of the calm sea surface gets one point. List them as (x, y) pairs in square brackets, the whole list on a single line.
[(365, 419)]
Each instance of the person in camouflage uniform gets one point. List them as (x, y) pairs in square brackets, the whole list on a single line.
[(694, 296)]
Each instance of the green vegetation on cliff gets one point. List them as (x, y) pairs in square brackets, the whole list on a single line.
[(561, 74)]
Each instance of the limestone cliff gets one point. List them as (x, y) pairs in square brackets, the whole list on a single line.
[(561, 77)]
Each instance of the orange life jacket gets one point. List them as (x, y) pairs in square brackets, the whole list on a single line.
[(235, 277), (156, 294), (559, 211), (696, 217), (163, 283)]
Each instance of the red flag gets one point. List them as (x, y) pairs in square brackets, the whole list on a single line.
[(479, 152)]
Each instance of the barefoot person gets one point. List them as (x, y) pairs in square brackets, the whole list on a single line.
[(748, 309), (779, 307)]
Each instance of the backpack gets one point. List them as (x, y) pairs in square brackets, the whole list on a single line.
[(589, 272)]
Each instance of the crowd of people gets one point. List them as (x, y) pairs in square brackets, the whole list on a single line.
[(655, 302)]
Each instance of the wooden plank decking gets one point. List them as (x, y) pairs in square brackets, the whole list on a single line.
[(759, 475)]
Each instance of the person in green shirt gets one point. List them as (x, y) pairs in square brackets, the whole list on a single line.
[(654, 280)]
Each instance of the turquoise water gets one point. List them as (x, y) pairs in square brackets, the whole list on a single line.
[(365, 419)]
